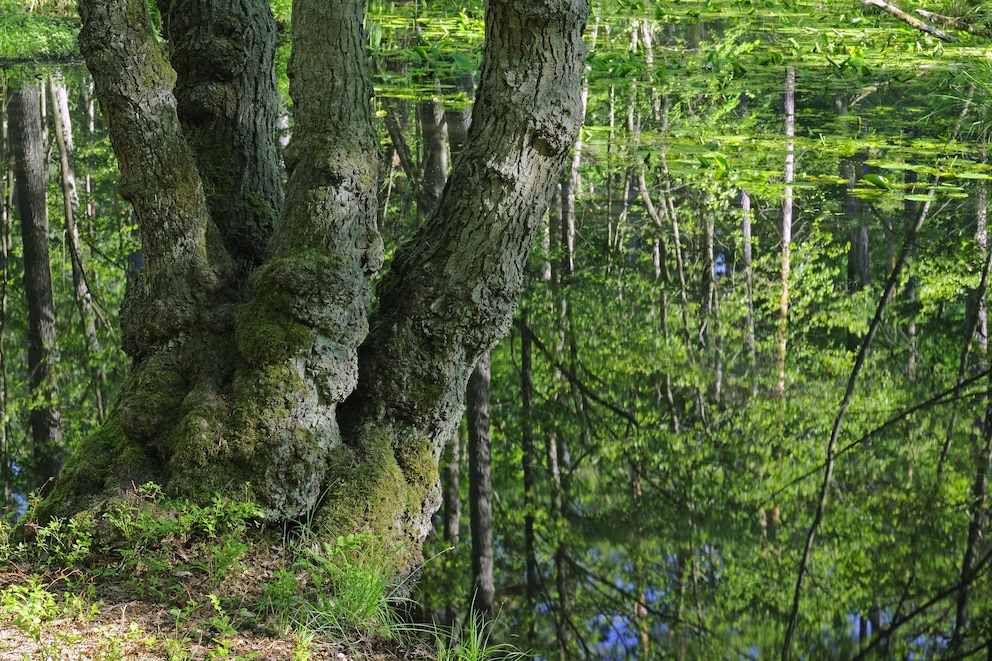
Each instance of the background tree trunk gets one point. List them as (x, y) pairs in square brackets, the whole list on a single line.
[(480, 490), (855, 211), (31, 181), (790, 173), (70, 207), (528, 459), (6, 240), (430, 115)]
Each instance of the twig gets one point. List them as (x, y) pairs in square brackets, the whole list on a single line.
[(859, 362), (910, 20), (948, 21), (571, 376)]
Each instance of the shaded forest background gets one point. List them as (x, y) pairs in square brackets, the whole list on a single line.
[(746, 400)]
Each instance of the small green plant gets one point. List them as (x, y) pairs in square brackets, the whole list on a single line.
[(301, 648), (115, 641), (31, 607), (220, 620), (176, 649), (60, 543)]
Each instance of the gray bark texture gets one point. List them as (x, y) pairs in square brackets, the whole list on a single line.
[(258, 356)]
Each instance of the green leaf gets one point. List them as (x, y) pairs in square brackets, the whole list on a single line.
[(463, 63), (878, 181)]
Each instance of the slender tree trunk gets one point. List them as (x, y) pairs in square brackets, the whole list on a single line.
[(857, 255), (981, 302), (790, 172), (89, 105), (669, 210), (452, 505), (558, 449), (528, 460), (710, 309), (748, 249), (480, 490), (70, 207), (43, 355), (6, 216), (641, 620), (562, 611), (909, 212), (430, 116)]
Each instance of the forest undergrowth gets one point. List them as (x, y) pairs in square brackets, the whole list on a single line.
[(157, 578)]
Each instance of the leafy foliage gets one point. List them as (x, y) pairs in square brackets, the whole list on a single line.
[(30, 32)]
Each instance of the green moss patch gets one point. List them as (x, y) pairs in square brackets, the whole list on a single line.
[(401, 486), (105, 462)]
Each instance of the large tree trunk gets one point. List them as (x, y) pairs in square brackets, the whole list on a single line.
[(31, 181), (450, 293), (266, 384)]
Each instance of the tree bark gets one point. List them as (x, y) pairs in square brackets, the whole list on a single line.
[(228, 105), (265, 383), (31, 181)]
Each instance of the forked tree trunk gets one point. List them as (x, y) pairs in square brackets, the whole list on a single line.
[(291, 384), (31, 181)]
